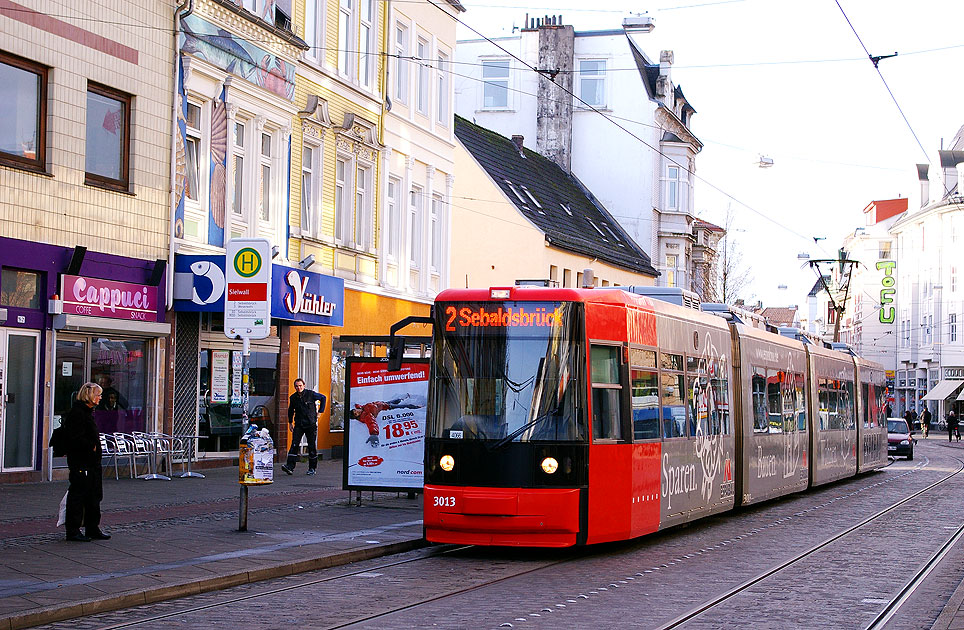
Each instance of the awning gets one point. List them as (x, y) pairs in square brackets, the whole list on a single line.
[(961, 395), (942, 390), (108, 326)]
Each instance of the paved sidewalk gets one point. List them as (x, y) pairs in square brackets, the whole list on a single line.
[(180, 537)]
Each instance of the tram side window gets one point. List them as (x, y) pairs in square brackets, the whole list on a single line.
[(774, 401), (606, 392), (800, 401), (673, 390), (880, 393), (719, 398), (645, 404), (845, 404), (865, 403), (758, 389)]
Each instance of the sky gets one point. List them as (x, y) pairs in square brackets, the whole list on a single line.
[(789, 80)]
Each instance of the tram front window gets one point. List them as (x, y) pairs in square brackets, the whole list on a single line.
[(507, 371)]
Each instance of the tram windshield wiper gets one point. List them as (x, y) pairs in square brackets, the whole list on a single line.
[(523, 429)]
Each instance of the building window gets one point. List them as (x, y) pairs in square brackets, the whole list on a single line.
[(23, 113), (953, 278), (310, 188), (346, 14), (566, 278), (592, 82), (366, 34), (414, 226), (392, 217), (308, 364), (435, 255), (315, 28), (192, 149), (237, 151), (884, 251), (672, 260), (401, 63), (495, 79), (364, 207), (264, 187), (952, 327), (20, 288), (343, 169), (672, 188), (443, 89), (108, 137), (421, 96)]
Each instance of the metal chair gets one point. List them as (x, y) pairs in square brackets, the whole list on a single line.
[(145, 445), (110, 452), (124, 448), (168, 446)]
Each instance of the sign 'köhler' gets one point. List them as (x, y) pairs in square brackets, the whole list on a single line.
[(308, 297)]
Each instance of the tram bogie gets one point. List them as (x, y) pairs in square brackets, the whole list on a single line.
[(560, 417)]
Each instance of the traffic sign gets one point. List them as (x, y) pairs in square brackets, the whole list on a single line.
[(247, 274)]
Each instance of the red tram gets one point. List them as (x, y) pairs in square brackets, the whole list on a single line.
[(562, 417)]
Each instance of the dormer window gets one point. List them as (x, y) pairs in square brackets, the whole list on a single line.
[(566, 208), (533, 199), (515, 191), (596, 227)]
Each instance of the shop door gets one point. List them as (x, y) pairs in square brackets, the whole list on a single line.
[(18, 398)]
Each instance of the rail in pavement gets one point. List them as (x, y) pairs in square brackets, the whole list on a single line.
[(179, 537)]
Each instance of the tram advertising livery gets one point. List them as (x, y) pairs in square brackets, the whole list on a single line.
[(561, 417)]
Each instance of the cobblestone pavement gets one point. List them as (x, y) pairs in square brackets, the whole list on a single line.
[(172, 538), (643, 583)]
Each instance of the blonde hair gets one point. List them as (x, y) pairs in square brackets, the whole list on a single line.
[(88, 391)]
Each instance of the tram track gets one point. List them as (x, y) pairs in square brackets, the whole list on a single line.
[(889, 610)]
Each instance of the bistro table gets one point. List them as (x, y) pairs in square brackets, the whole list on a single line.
[(189, 441)]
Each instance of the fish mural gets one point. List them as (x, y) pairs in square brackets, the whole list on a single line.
[(237, 56)]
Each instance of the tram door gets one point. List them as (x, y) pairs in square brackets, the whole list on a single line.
[(19, 358)]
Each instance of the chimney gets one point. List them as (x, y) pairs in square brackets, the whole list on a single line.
[(554, 102), (518, 140), (925, 184)]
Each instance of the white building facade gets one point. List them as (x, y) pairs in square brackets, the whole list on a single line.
[(641, 168)]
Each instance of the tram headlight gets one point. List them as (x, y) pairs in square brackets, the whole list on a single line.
[(447, 463), (550, 465)]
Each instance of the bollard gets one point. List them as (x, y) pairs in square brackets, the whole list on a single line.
[(243, 510)]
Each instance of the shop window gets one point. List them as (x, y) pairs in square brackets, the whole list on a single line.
[(20, 288), (108, 137), (23, 113), (220, 404)]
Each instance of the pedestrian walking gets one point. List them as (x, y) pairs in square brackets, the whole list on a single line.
[(925, 422), (303, 422), (83, 463), (953, 426)]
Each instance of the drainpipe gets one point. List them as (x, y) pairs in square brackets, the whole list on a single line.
[(174, 131)]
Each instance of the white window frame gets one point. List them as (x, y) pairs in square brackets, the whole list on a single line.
[(363, 228), (435, 233), (311, 205), (423, 50), (673, 188), (601, 77), (495, 81), (414, 227), (393, 218), (366, 44), (402, 63), (240, 195), (672, 266), (198, 210), (443, 73), (952, 328), (346, 37), (308, 364), (343, 211), (267, 213), (315, 11)]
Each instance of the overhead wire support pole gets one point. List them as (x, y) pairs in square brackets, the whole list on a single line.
[(838, 307)]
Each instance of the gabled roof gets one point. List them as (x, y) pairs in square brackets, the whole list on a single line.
[(553, 200), (706, 225), (780, 315)]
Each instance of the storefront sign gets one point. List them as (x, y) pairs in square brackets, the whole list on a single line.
[(295, 295), (107, 298), (384, 424), (307, 297), (887, 313), (247, 275), (954, 373), (219, 376)]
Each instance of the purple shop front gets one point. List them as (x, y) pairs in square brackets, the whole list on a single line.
[(103, 315)]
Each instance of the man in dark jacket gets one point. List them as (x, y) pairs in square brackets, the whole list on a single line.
[(303, 421)]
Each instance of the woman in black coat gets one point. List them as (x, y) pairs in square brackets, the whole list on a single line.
[(83, 461)]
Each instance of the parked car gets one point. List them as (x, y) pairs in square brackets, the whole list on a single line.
[(900, 440)]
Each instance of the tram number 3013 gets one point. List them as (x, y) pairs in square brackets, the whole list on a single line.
[(444, 501)]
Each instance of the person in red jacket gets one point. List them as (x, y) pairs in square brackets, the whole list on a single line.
[(367, 414)]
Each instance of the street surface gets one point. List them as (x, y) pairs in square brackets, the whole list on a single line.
[(647, 583)]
